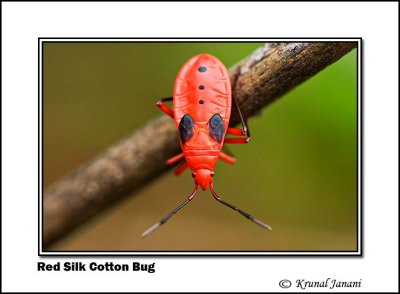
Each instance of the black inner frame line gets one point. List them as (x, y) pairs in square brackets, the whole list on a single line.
[(229, 253)]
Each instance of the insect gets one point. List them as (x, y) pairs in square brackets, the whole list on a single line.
[(202, 103)]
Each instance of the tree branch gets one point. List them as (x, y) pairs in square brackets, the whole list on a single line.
[(264, 76)]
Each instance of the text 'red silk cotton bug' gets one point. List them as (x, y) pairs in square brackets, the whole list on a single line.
[(202, 104)]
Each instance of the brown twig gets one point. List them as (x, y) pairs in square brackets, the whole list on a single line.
[(264, 76)]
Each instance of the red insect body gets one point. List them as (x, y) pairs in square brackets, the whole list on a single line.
[(202, 94), (202, 103)]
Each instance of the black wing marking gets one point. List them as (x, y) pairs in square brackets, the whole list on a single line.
[(186, 128), (217, 129)]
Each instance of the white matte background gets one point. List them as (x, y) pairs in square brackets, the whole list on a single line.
[(23, 23)]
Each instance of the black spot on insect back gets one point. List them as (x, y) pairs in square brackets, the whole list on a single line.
[(186, 128), (217, 128), (201, 87), (201, 101), (202, 69)]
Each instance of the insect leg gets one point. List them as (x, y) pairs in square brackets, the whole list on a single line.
[(168, 216), (238, 132), (235, 131), (164, 107), (245, 128), (236, 140), (175, 159), (245, 214), (181, 168), (227, 158)]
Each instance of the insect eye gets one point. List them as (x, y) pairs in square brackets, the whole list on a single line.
[(193, 174), (212, 174)]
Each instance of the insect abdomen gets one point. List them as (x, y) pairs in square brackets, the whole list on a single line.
[(202, 89)]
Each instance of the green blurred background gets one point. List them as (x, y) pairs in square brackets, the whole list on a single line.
[(298, 174)]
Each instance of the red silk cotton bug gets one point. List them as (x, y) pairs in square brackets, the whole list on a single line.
[(202, 104)]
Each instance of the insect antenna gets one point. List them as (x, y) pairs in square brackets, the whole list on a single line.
[(245, 214), (168, 216)]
